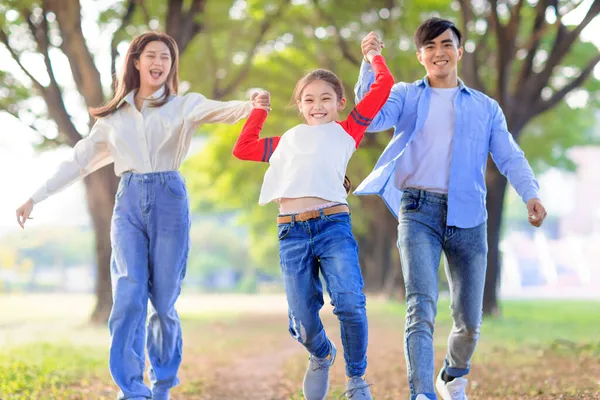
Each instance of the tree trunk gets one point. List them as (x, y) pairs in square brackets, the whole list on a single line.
[(496, 184), (393, 286), (101, 187)]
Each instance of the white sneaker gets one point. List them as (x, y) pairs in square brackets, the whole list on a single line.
[(422, 397), (453, 390)]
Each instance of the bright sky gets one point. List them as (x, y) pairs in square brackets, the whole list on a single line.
[(24, 169)]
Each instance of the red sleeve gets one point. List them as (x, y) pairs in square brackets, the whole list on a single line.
[(248, 145), (361, 116)]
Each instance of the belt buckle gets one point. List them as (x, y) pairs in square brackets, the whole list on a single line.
[(306, 215)]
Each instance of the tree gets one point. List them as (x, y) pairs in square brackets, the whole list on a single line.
[(227, 45), (51, 29), (327, 34), (324, 34), (529, 60), (42, 21)]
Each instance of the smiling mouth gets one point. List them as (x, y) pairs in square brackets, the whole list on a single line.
[(440, 63), (318, 115), (155, 74)]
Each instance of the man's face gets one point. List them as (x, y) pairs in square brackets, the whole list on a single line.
[(440, 56)]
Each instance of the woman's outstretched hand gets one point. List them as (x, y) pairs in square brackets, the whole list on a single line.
[(262, 100), (23, 212)]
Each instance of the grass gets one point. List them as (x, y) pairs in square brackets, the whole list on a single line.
[(544, 322), (521, 323), (539, 346), (46, 370)]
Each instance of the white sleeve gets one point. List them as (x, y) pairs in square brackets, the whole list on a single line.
[(89, 154), (200, 110)]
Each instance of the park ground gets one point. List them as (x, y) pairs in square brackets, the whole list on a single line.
[(238, 347)]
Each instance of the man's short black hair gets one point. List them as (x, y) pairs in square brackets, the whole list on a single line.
[(433, 28)]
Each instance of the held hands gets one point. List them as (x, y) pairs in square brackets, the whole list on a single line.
[(371, 46), (262, 100), (23, 213), (537, 212)]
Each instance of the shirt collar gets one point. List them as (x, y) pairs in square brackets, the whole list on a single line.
[(130, 97), (158, 94), (461, 84)]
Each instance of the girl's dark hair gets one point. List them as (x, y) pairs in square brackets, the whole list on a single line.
[(130, 77), (333, 81), (347, 184), (433, 28), (319, 75)]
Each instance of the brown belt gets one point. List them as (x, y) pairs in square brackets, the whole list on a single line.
[(312, 214)]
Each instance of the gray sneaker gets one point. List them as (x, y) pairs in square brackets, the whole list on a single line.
[(316, 379), (358, 389)]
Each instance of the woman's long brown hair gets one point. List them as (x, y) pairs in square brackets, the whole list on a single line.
[(130, 77)]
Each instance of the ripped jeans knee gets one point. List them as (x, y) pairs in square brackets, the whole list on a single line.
[(309, 332), (297, 328)]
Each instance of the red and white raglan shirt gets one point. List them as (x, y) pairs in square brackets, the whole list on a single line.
[(311, 160)]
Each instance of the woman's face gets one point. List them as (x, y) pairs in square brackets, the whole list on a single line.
[(154, 64)]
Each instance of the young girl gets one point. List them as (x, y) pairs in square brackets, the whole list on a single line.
[(306, 177), (146, 131)]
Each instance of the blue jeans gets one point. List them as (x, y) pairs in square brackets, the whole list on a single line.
[(422, 236), (150, 244), (325, 244)]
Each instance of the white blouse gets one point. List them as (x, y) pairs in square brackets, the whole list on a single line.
[(151, 140)]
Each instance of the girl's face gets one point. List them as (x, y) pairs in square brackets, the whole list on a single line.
[(319, 104), (154, 65)]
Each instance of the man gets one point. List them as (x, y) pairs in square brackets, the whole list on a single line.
[(431, 176)]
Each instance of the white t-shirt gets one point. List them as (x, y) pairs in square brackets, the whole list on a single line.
[(428, 156), (309, 161)]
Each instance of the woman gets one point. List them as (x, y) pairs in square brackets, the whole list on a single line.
[(146, 131)]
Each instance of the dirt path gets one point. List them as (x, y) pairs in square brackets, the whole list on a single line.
[(244, 359), (498, 374), (253, 357), (258, 377)]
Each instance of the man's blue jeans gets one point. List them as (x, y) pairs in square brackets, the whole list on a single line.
[(422, 236)]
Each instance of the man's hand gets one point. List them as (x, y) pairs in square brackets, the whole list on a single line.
[(371, 46), (537, 212)]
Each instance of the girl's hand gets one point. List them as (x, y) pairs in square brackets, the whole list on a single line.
[(262, 100), (23, 213), (371, 45)]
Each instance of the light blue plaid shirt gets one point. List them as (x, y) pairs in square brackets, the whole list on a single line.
[(480, 127)]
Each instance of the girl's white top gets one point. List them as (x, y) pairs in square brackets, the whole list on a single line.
[(151, 140), (309, 161)]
